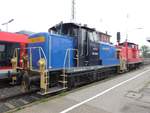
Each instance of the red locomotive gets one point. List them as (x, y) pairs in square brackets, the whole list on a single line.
[(129, 54)]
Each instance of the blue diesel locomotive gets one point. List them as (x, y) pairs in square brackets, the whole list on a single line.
[(67, 56)]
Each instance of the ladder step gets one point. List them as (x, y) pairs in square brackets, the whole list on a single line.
[(47, 83), (52, 90), (75, 58), (64, 82), (63, 75)]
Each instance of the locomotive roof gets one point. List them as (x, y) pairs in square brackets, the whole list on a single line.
[(128, 43), (13, 37), (72, 24), (77, 26)]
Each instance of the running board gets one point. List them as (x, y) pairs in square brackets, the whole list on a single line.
[(52, 90)]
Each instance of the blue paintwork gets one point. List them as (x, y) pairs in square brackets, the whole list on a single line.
[(35, 52), (107, 53), (54, 47), (59, 46)]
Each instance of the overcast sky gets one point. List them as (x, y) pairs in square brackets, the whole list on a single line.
[(104, 15)]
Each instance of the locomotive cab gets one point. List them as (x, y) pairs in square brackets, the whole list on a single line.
[(86, 41)]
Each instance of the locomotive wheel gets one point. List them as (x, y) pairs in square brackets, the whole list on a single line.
[(25, 84), (19, 77)]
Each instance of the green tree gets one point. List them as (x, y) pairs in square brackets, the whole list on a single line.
[(145, 51)]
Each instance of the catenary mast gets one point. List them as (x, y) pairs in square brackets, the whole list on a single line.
[(73, 11)]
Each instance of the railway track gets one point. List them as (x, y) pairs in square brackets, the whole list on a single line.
[(13, 97), (17, 102), (12, 92)]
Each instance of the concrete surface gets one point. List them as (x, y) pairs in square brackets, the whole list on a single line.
[(130, 97)]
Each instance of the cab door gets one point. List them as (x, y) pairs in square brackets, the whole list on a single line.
[(88, 48), (92, 49), (82, 47)]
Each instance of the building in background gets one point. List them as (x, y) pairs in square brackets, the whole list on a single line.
[(104, 37)]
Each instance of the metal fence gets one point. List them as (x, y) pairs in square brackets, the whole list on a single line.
[(146, 61)]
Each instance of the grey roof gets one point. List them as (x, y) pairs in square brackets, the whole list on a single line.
[(25, 32)]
